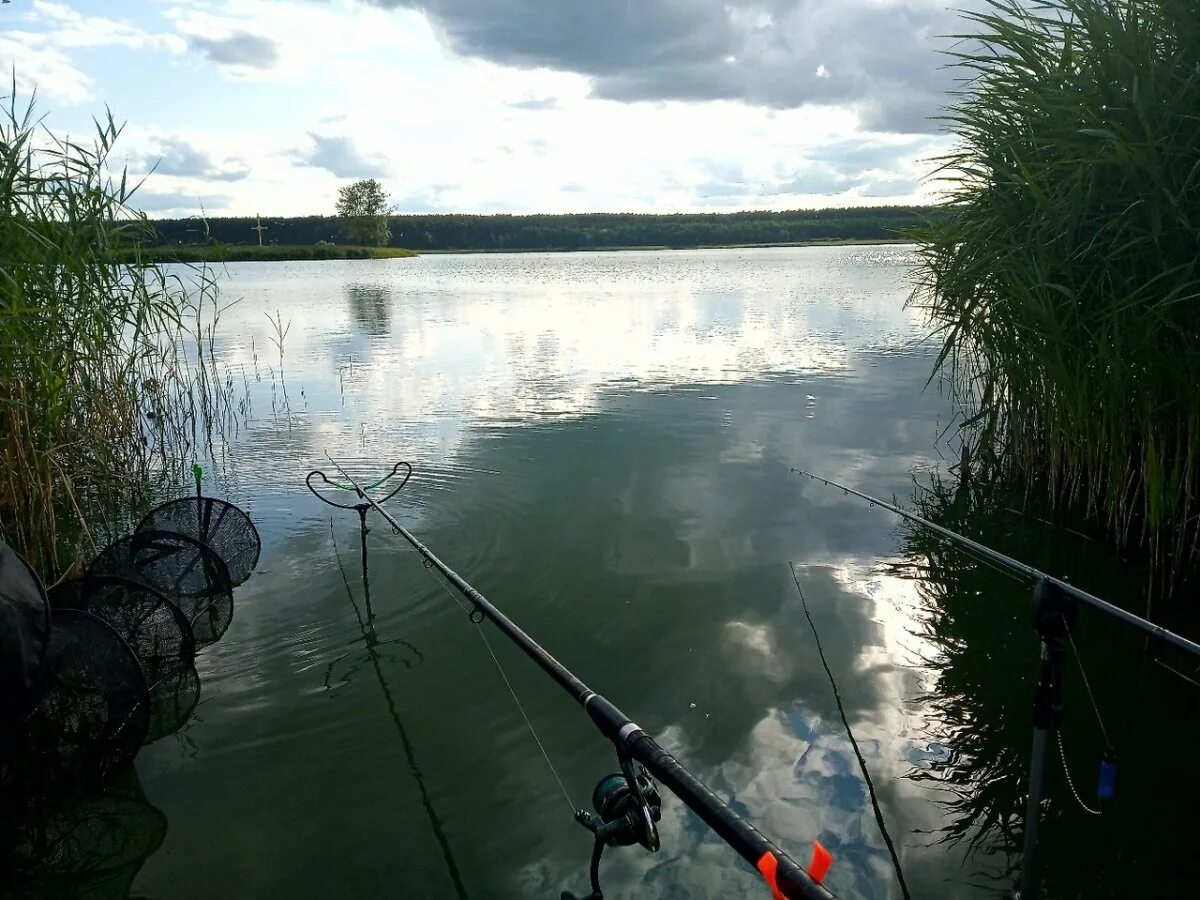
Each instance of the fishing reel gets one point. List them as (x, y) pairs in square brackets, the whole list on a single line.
[(628, 809)]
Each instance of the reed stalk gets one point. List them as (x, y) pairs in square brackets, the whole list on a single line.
[(1064, 282), (99, 399)]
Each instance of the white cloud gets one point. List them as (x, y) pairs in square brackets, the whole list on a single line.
[(266, 81), (71, 28), (38, 54), (46, 69)]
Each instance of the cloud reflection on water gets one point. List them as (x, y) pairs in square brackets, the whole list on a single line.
[(643, 511)]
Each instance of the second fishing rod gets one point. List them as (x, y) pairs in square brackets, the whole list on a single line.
[(628, 812)]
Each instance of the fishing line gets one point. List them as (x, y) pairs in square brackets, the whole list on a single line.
[(1087, 684), (862, 763), (1174, 671), (504, 676)]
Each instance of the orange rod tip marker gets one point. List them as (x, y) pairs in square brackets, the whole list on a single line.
[(822, 859), (768, 864)]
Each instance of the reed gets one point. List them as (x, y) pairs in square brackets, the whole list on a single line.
[(101, 393), (1064, 282)]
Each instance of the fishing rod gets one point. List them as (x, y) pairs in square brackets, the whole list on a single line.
[(1132, 619), (1054, 605), (627, 805)]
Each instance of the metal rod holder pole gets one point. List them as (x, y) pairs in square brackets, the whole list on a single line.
[(1053, 612)]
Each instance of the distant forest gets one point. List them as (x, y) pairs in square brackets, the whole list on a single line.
[(580, 231)]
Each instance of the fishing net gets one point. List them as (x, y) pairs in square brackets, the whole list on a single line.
[(156, 629), (89, 722), (183, 569), (24, 635), (223, 526), (91, 847), (172, 702)]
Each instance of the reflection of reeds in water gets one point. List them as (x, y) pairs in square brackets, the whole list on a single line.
[(983, 662), (980, 695), (374, 655)]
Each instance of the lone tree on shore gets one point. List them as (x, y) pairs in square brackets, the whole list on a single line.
[(362, 209)]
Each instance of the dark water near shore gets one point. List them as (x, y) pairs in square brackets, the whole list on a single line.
[(603, 444)]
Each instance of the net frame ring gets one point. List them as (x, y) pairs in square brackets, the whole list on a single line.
[(199, 524), (89, 749), (476, 615), (88, 594), (121, 558)]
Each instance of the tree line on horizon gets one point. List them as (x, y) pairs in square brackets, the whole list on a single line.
[(575, 231)]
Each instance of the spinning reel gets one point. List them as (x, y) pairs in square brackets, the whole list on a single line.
[(628, 806)]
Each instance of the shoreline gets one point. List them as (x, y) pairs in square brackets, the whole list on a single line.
[(227, 253), (832, 242), (271, 253)]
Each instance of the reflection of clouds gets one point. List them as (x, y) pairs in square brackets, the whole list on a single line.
[(511, 339), (661, 527), (755, 652)]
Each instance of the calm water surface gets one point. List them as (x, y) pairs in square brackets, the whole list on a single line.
[(603, 445)]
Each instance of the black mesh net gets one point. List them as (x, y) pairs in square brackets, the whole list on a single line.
[(156, 629), (90, 720), (172, 702), (91, 847), (24, 635), (183, 569), (223, 526)]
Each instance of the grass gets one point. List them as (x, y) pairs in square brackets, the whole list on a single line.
[(107, 377), (269, 252), (1064, 283)]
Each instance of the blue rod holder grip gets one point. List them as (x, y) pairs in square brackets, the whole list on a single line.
[(1107, 785)]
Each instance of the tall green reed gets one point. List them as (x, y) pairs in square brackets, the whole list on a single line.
[(1064, 283), (105, 386)]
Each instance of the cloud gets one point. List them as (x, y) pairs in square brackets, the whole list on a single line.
[(71, 28), (177, 156), (429, 200), (880, 57), (339, 156), (180, 203), (39, 57), (240, 48), (866, 167), (534, 103), (44, 68)]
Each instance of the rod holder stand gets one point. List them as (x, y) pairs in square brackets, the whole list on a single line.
[(1053, 615)]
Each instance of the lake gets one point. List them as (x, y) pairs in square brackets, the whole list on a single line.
[(603, 444)]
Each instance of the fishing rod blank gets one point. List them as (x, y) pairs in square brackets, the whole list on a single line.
[(1143, 625), (631, 801)]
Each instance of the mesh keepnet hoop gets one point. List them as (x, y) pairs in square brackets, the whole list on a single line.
[(156, 629), (222, 526), (183, 569), (24, 635), (91, 719), (172, 702)]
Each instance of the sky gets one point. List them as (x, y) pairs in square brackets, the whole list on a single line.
[(242, 107)]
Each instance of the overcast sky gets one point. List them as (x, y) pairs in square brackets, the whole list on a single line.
[(267, 106)]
